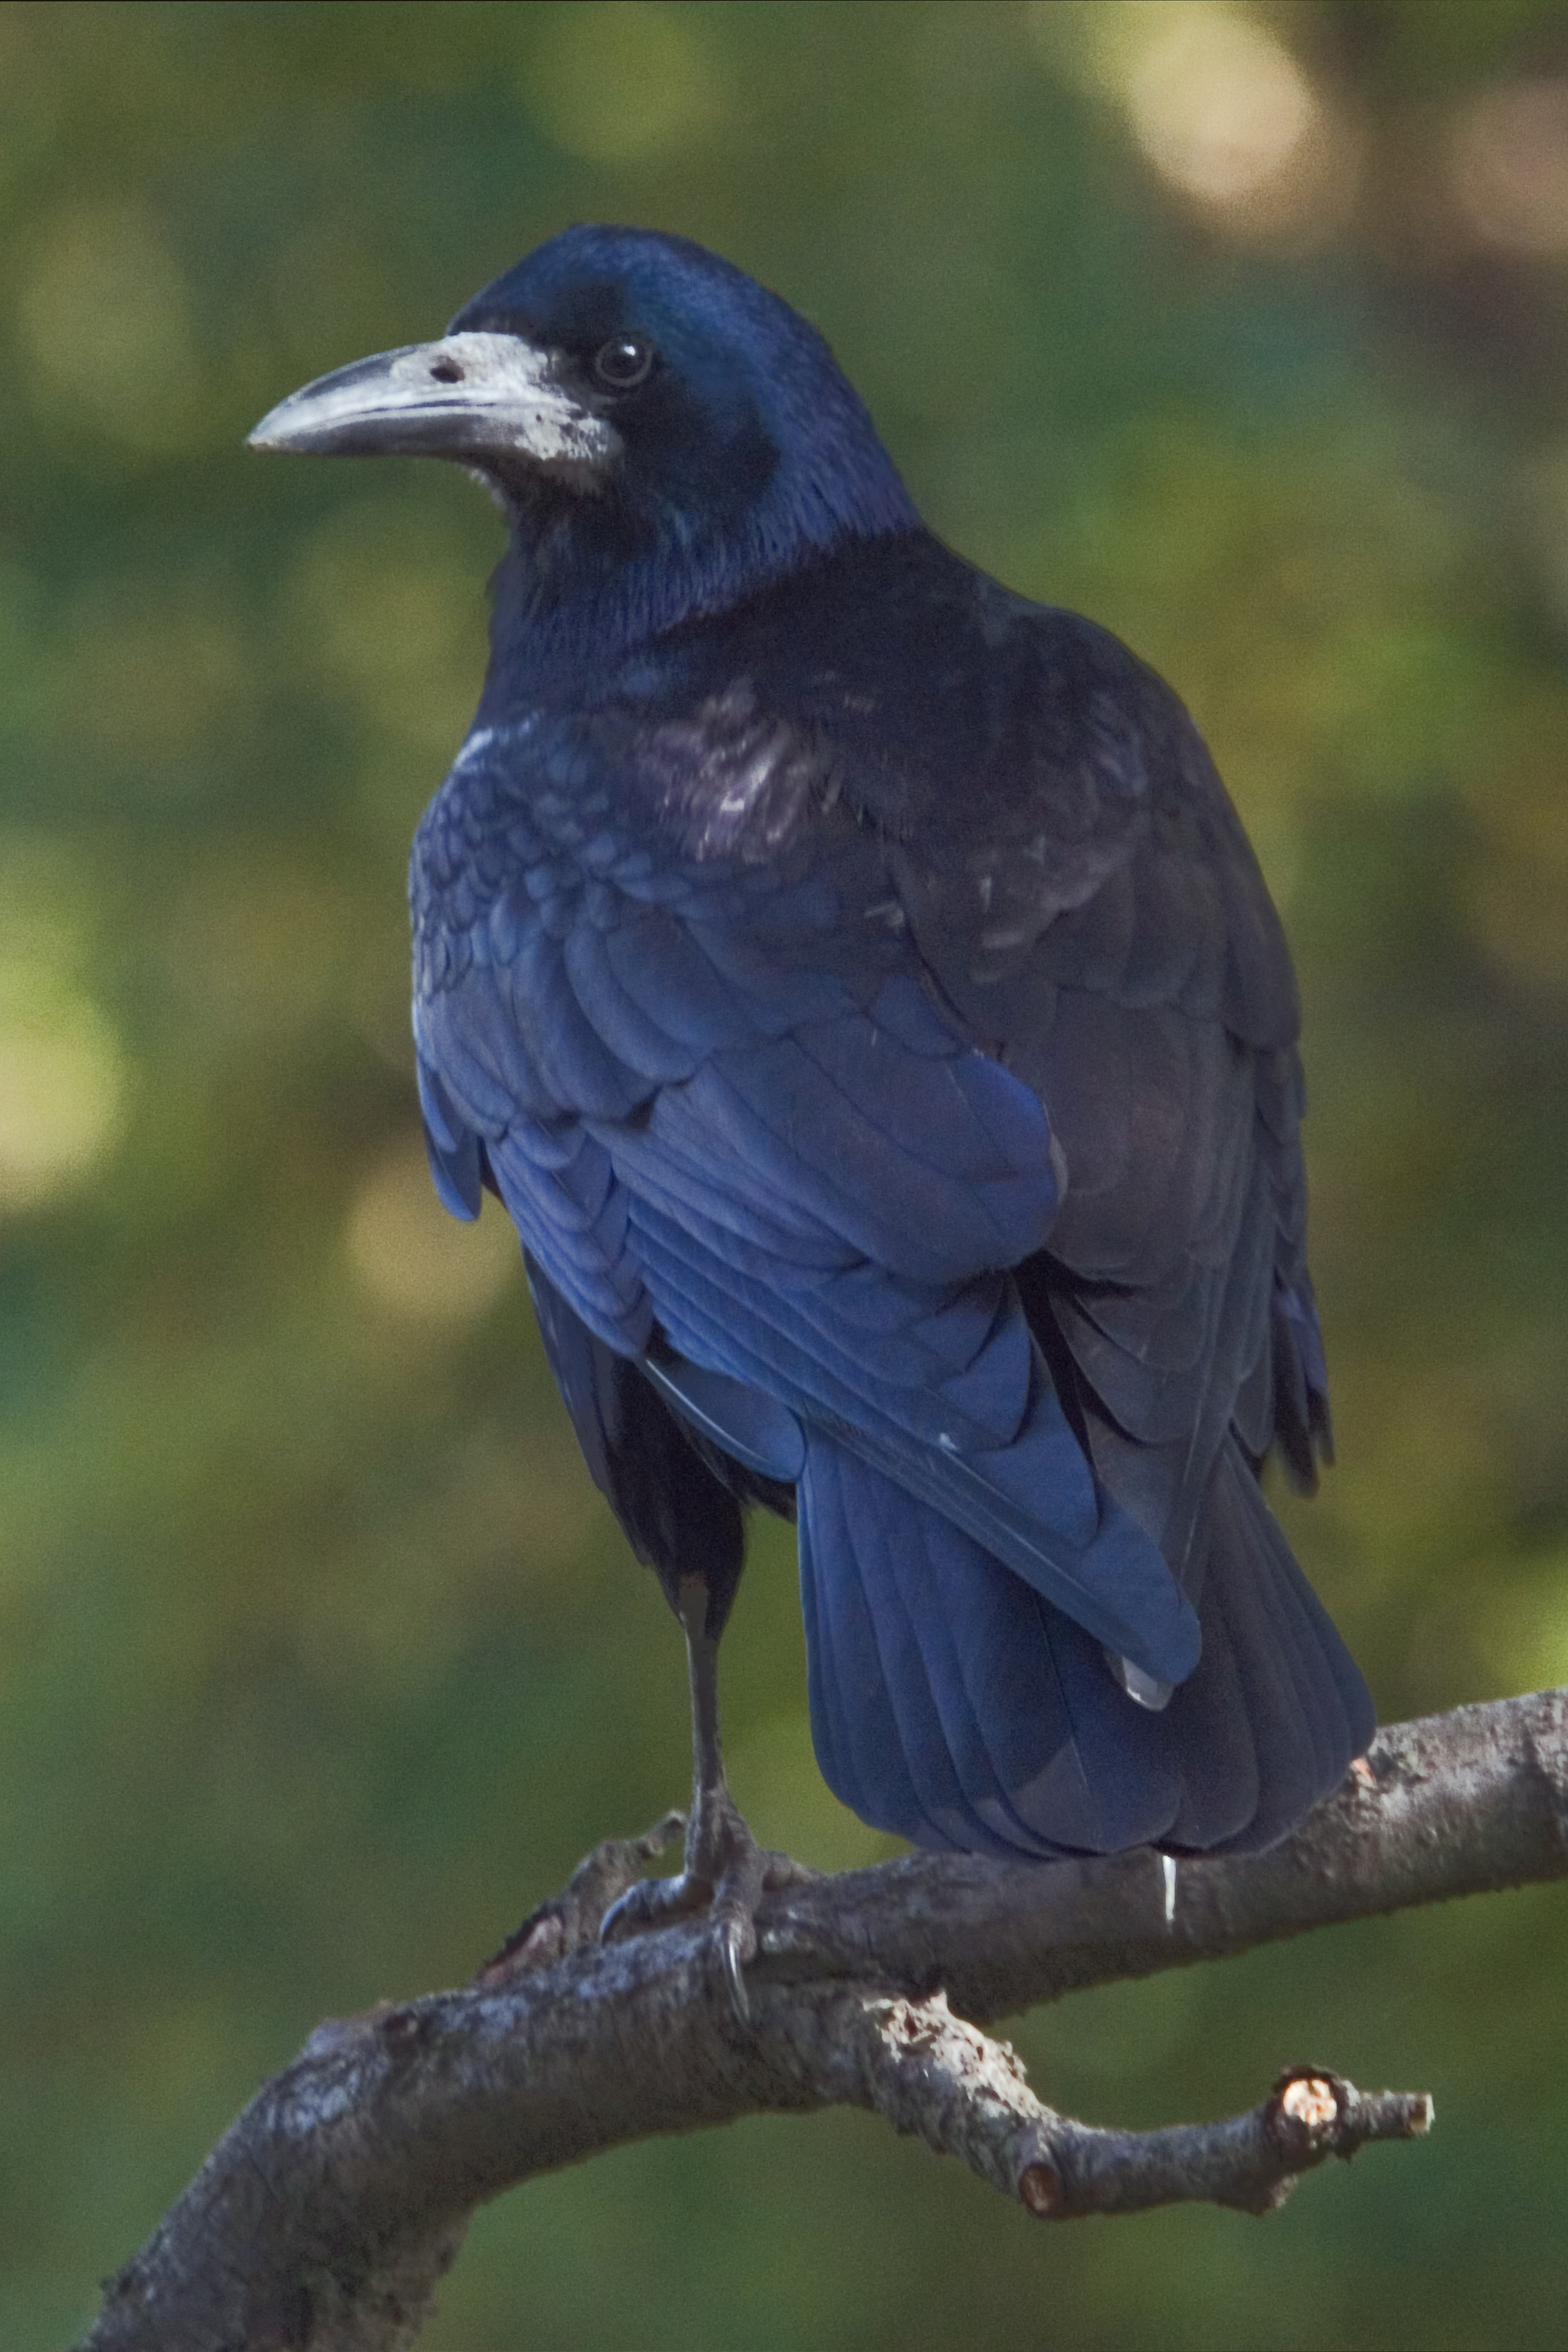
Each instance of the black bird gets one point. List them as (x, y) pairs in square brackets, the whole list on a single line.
[(855, 983)]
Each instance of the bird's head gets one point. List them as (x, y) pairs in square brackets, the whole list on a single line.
[(664, 434)]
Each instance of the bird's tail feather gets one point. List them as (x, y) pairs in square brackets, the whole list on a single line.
[(1277, 1704), (950, 1701), (954, 1705)]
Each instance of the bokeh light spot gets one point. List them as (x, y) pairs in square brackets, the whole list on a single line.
[(621, 80), (418, 1261), (62, 1086), (1220, 107), (1510, 166), (105, 318)]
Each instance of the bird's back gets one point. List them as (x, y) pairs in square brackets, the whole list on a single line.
[(869, 1010)]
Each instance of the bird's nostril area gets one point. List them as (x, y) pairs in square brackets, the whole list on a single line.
[(446, 371)]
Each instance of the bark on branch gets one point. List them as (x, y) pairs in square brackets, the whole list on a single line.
[(329, 2212)]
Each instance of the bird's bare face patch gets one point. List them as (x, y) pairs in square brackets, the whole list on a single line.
[(483, 398)]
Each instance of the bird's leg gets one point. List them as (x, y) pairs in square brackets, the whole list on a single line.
[(724, 1871)]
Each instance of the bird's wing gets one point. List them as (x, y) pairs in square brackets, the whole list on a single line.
[(1156, 1019), (731, 1123), (1135, 976)]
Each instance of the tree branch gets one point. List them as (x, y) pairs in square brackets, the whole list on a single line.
[(327, 2213)]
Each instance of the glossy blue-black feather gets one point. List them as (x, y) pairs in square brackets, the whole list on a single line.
[(857, 985)]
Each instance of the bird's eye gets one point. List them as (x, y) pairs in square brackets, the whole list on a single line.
[(624, 362)]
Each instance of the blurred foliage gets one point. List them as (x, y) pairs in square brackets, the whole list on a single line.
[(1242, 328)]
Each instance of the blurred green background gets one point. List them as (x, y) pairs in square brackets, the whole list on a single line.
[(1244, 328)]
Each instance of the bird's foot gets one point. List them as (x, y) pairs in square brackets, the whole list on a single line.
[(726, 1873)]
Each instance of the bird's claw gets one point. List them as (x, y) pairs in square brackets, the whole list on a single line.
[(653, 1902), (726, 1873), (726, 1943)]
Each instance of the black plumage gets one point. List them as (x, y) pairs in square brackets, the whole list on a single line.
[(857, 986)]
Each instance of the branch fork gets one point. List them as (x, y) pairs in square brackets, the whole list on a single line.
[(325, 2217)]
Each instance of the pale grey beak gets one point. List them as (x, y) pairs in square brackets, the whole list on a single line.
[(469, 396)]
